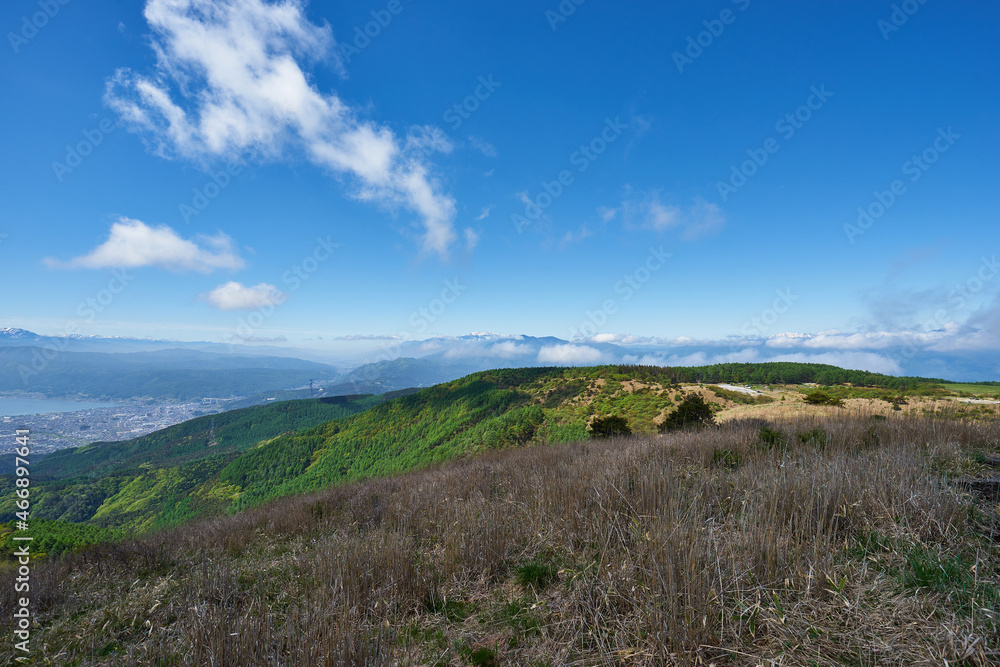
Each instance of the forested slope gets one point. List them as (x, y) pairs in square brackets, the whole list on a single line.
[(281, 449)]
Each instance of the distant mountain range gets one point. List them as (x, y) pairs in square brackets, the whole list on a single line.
[(13, 337), (157, 375), (162, 369)]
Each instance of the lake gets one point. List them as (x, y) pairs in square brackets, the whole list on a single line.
[(10, 407)]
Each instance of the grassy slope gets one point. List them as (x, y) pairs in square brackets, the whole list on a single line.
[(483, 411), (991, 390), (826, 542), (171, 476), (181, 443), (160, 478)]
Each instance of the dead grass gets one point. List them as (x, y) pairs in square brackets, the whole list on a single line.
[(832, 540)]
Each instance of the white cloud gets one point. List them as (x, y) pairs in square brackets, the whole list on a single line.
[(471, 238), (509, 349), (642, 126), (503, 350), (868, 361), (428, 139), (663, 359), (607, 214), (133, 244), (234, 340), (229, 80), (950, 336), (483, 146), (485, 214), (657, 216), (355, 337), (570, 354), (575, 236), (881, 346), (236, 296), (630, 339), (703, 219), (647, 211)]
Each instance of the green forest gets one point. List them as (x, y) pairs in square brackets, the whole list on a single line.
[(52, 538), (265, 452)]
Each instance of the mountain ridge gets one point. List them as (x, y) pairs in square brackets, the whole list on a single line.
[(483, 411)]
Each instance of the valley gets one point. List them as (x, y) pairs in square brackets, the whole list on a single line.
[(483, 521), (283, 448), (608, 369), (53, 431)]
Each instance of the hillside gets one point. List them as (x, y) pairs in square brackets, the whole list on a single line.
[(317, 392), (404, 372), (161, 469), (234, 430), (172, 476), (817, 541)]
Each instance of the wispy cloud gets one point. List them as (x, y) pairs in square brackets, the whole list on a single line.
[(483, 146), (485, 214), (133, 244), (648, 211), (575, 236), (503, 350), (262, 339), (230, 78), (870, 361), (428, 139), (236, 296), (471, 238), (642, 126), (368, 337)]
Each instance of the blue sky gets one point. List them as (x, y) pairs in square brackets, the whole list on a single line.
[(349, 160)]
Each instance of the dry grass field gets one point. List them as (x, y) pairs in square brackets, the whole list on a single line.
[(822, 538), (793, 406)]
